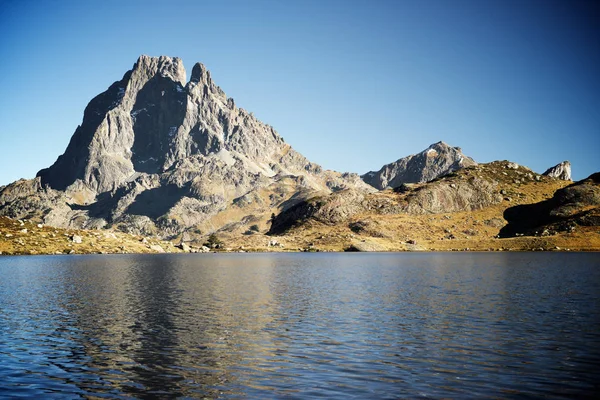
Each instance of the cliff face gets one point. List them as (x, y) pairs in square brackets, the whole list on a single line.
[(437, 160), (157, 155)]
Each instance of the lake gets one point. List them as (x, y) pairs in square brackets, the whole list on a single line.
[(458, 325)]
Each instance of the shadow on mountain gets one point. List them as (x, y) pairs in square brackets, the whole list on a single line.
[(158, 111), (576, 204), (103, 206), (156, 202)]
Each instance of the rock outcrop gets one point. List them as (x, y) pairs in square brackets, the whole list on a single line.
[(155, 155), (576, 204), (437, 160), (560, 171)]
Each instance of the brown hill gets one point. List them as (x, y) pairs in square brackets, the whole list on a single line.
[(462, 210)]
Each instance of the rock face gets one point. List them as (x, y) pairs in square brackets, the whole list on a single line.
[(438, 159), (157, 155), (560, 171), (576, 204), (330, 210)]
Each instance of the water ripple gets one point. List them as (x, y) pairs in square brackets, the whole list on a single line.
[(301, 325)]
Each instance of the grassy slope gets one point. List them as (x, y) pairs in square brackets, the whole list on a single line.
[(50, 240)]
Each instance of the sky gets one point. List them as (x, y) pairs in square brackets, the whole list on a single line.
[(352, 85)]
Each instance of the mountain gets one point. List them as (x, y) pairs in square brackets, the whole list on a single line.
[(560, 171), (437, 160), (157, 155)]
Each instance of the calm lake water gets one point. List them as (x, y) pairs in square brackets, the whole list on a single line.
[(457, 325)]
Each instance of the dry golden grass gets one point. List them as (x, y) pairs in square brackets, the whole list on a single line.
[(26, 237)]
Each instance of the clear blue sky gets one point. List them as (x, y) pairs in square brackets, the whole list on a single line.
[(350, 84)]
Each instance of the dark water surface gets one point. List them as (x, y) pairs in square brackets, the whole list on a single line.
[(469, 325)]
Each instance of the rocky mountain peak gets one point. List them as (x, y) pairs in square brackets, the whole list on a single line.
[(436, 160), (147, 67), (560, 171), (153, 149)]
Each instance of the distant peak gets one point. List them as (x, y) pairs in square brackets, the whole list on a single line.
[(436, 160)]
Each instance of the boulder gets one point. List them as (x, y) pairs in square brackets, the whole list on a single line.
[(183, 246), (157, 248)]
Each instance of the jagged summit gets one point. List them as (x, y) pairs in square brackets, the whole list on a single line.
[(168, 67), (436, 160), (155, 146), (152, 119)]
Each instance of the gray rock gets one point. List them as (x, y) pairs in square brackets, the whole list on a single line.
[(183, 246), (560, 171), (332, 209), (440, 197), (157, 248), (76, 239), (437, 160)]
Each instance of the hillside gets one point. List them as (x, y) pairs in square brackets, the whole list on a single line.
[(29, 237), (462, 210)]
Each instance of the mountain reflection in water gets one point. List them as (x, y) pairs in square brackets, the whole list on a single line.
[(300, 325)]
